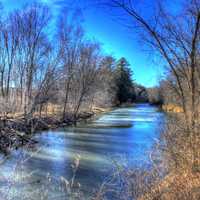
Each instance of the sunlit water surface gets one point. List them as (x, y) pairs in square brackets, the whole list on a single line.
[(125, 135)]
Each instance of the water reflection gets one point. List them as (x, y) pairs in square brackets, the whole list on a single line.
[(125, 132)]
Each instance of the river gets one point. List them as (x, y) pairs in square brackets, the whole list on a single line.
[(124, 135)]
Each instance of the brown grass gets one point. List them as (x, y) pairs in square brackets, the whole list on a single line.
[(51, 110), (178, 185), (172, 108)]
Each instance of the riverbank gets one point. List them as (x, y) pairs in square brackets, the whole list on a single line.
[(17, 132)]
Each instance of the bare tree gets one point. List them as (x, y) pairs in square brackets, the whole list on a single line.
[(85, 75), (70, 36), (34, 21), (105, 91)]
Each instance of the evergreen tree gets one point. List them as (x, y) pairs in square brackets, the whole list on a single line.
[(123, 80)]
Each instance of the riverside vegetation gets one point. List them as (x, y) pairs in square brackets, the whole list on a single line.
[(62, 77)]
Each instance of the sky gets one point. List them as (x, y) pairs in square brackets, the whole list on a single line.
[(117, 40)]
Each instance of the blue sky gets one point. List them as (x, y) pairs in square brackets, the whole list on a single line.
[(100, 25)]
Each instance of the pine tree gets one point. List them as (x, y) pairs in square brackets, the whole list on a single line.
[(124, 82)]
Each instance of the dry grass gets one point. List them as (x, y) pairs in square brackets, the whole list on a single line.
[(97, 109), (172, 108), (178, 185), (51, 110), (180, 152)]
